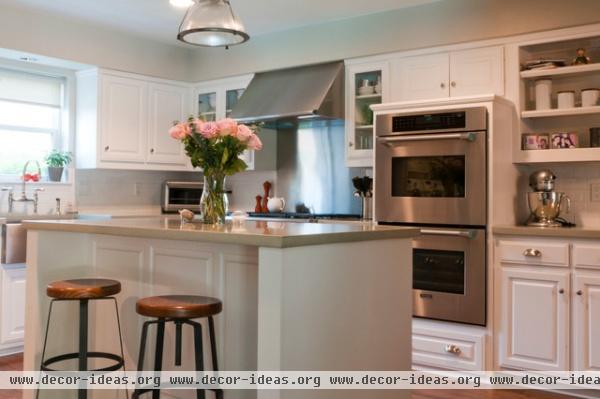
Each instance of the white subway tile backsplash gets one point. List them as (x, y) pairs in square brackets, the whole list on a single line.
[(111, 190)]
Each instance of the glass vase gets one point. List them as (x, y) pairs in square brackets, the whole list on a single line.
[(213, 203)]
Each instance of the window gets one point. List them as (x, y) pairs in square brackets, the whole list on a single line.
[(31, 114)]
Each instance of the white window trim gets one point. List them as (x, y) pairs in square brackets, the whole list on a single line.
[(64, 138)]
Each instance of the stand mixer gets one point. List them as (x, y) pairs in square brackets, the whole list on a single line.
[(545, 203)]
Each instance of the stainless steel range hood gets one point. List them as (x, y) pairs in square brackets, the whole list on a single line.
[(312, 93)]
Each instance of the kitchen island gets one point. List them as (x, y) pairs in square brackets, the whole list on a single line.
[(296, 296)]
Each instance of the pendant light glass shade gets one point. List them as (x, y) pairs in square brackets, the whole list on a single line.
[(212, 23)]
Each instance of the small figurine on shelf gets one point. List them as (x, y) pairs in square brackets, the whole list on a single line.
[(581, 58)]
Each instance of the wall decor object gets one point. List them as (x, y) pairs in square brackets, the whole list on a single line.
[(564, 140), (535, 141)]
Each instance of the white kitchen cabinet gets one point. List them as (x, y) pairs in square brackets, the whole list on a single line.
[(12, 320), (359, 117), (420, 77), (215, 100), (168, 103), (454, 74), (586, 321), (123, 121), (449, 346), (477, 71), (534, 329)]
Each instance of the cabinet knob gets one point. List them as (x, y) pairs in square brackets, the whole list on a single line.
[(106, 148), (453, 84), (350, 144), (579, 292), (455, 350), (532, 253), (442, 85), (151, 150), (561, 291)]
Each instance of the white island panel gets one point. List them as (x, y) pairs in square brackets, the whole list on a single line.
[(343, 305)]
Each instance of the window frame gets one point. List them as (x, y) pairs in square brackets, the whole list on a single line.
[(61, 136)]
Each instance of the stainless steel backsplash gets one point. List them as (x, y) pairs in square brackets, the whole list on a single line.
[(311, 170)]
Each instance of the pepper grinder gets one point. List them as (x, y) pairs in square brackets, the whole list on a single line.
[(267, 188), (258, 207)]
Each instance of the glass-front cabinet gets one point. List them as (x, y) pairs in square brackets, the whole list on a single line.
[(216, 99), (207, 105), (366, 84), (231, 98)]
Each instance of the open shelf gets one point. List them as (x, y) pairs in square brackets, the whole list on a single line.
[(567, 70), (560, 155), (561, 112), (368, 97)]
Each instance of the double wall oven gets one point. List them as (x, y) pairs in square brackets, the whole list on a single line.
[(431, 171)]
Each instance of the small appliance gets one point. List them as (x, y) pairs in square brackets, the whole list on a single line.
[(544, 203)]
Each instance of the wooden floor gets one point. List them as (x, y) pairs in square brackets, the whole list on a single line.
[(15, 362)]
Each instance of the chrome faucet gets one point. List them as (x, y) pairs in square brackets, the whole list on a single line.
[(23, 197)]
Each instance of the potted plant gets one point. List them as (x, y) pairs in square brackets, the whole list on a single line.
[(56, 162)]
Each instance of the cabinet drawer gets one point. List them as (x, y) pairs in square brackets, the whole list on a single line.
[(447, 349), (586, 256), (534, 253)]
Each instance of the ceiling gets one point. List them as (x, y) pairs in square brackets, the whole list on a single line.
[(158, 20)]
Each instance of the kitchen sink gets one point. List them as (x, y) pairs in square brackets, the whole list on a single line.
[(13, 237)]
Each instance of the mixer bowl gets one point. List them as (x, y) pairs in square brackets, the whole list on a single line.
[(546, 206)]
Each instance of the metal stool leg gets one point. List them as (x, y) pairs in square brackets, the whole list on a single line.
[(178, 338), (138, 392), (213, 350), (83, 344), (160, 339), (37, 393), (199, 355)]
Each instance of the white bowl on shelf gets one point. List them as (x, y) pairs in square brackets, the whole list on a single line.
[(365, 90)]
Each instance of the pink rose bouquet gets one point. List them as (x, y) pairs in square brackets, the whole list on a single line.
[(216, 147)]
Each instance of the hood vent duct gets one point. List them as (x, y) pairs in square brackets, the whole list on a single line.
[(309, 93)]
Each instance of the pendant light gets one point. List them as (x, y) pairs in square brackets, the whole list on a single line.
[(211, 23)]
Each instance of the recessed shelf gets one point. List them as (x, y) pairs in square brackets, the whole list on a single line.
[(368, 96), (567, 70), (363, 127), (561, 112), (560, 155)]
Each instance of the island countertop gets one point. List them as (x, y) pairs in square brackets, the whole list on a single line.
[(273, 234)]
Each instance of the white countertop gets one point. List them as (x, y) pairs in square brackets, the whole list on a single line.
[(18, 217), (567, 232), (278, 234)]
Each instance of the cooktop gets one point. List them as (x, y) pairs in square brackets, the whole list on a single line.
[(298, 215)]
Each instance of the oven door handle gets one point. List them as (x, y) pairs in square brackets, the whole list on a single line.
[(390, 141), (455, 233)]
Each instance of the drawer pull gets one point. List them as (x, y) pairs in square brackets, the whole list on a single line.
[(532, 253), (455, 350)]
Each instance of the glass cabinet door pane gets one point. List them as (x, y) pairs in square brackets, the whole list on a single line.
[(367, 92), (231, 99), (207, 106)]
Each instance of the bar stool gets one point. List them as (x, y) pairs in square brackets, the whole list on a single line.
[(83, 290), (179, 309)]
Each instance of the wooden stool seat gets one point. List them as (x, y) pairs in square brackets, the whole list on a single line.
[(83, 288), (179, 306)]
